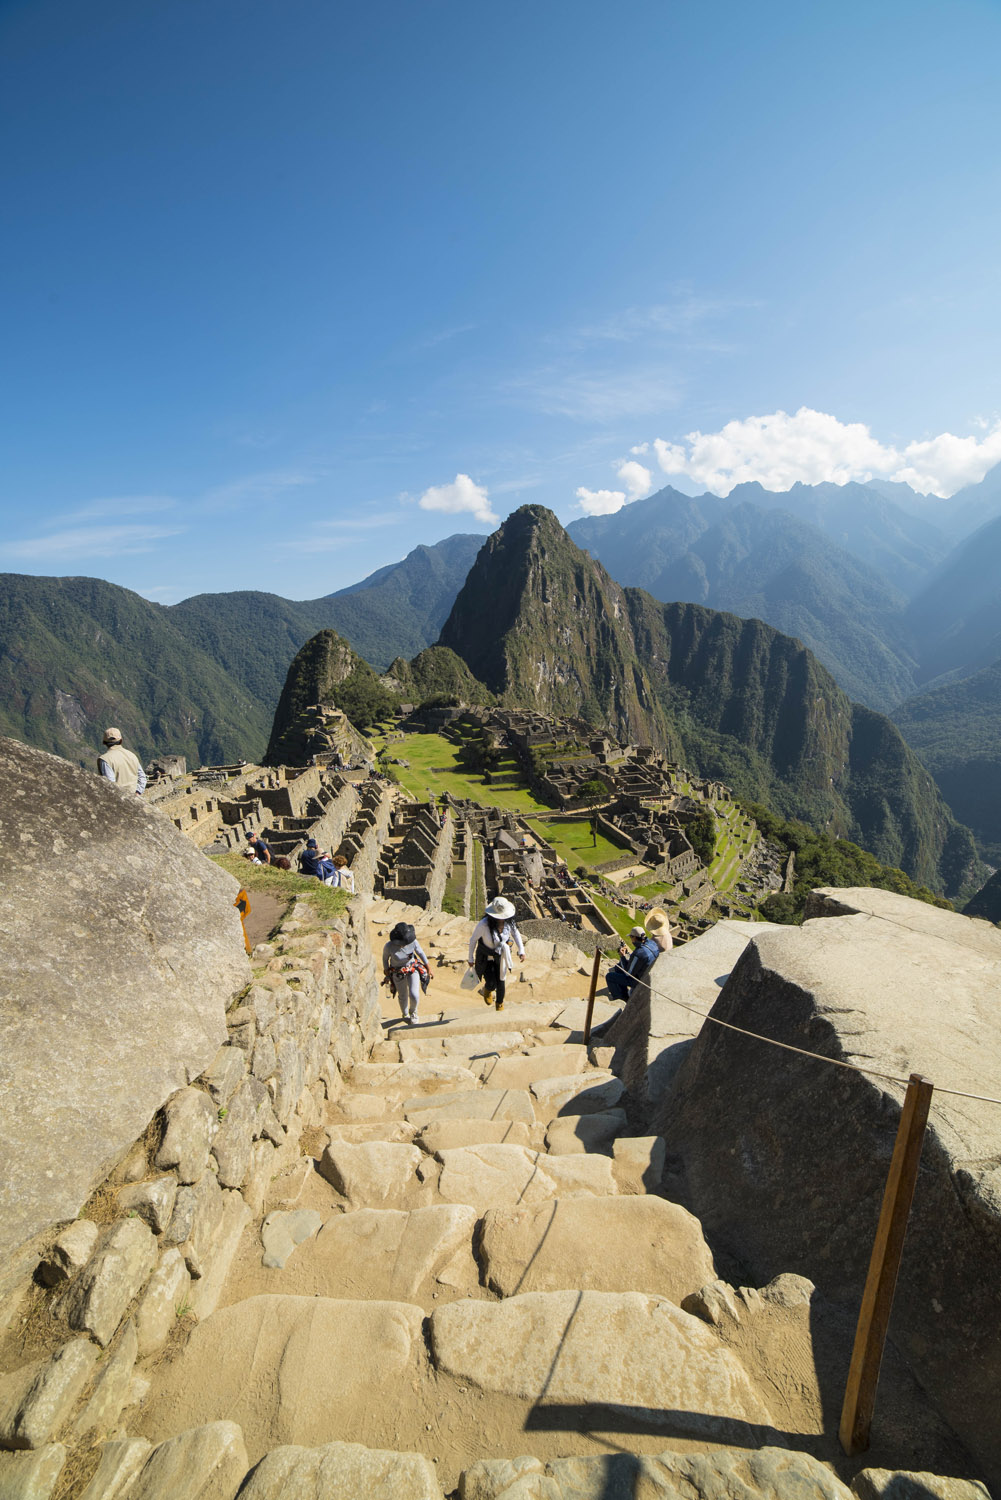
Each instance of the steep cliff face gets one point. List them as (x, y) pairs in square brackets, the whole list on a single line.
[(544, 626)]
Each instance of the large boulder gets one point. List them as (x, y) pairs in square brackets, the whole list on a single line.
[(120, 949), (785, 1159)]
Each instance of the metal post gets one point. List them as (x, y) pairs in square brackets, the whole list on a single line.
[(888, 1246), (590, 997)]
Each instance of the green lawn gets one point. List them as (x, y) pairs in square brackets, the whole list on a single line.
[(434, 768), (572, 842), (284, 884), (620, 919)]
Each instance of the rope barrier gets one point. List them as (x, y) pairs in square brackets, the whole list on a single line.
[(835, 1062)]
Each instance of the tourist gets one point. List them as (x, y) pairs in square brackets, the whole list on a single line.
[(406, 969), (259, 851), (312, 861), (345, 879), (658, 925), (120, 766), (490, 948), (624, 977)]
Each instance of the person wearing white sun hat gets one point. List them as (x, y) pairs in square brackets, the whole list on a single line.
[(490, 948)]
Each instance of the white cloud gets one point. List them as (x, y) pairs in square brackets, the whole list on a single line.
[(90, 541), (637, 479), (813, 447), (461, 495), (601, 502)]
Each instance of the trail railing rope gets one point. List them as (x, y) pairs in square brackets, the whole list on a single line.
[(888, 1245)]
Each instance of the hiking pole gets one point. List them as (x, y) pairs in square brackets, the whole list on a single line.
[(590, 996)]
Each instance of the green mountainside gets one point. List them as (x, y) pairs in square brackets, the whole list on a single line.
[(436, 673), (77, 654), (542, 624), (768, 564), (200, 678), (956, 731), (325, 671), (987, 902)]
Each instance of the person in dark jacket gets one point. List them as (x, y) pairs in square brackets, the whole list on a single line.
[(261, 850), (312, 861), (625, 976)]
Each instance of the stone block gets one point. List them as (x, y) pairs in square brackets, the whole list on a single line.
[(166, 1292), (204, 1463), (243, 1121), (152, 1201), (99, 1417), (639, 1163), (374, 1130), (342, 1471), (36, 1400), (898, 1484), (196, 1222), (31, 1476), (70, 1252), (207, 1290), (402, 1080), (282, 1231), (520, 1071), (594, 1349), (323, 1358), (445, 1135), (585, 1094), (479, 1104), (288, 1080), (95, 1301), (575, 1134), (265, 1058), (387, 1254), (223, 1076), (263, 1165), (597, 1244), (119, 1464), (191, 1126), (378, 1174)]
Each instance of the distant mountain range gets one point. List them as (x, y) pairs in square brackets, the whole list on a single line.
[(201, 678), (895, 594), (541, 623)]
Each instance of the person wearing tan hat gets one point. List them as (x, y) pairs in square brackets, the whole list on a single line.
[(658, 925), (121, 766), (490, 948)]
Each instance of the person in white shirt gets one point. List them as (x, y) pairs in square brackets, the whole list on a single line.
[(490, 948), (345, 878)]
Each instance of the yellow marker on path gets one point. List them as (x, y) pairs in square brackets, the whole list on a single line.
[(242, 904)]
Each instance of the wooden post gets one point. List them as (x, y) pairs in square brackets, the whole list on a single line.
[(888, 1246), (590, 997)]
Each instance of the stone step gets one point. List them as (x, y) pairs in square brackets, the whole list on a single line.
[(531, 1016), (445, 1135), (381, 1255), (378, 1174), (482, 1104), (521, 1070), (574, 1349), (492, 1176), (569, 1135), (406, 1079), (598, 1244), (585, 1093), (464, 1045)]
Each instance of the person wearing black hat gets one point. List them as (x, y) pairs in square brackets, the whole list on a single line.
[(258, 849), (406, 969)]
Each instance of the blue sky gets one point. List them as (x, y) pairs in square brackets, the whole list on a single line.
[(291, 287)]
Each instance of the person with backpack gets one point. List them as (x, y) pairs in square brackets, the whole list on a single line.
[(405, 969), (312, 861), (490, 948)]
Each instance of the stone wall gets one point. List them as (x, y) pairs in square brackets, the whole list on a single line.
[(155, 1242)]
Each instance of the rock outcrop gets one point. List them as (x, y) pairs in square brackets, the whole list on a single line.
[(784, 1159), (120, 950)]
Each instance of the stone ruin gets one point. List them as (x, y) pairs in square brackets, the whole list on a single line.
[(256, 1243)]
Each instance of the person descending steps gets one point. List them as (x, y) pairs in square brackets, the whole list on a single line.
[(490, 948), (405, 966)]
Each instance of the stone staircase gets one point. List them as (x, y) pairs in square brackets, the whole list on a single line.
[(471, 1274)]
